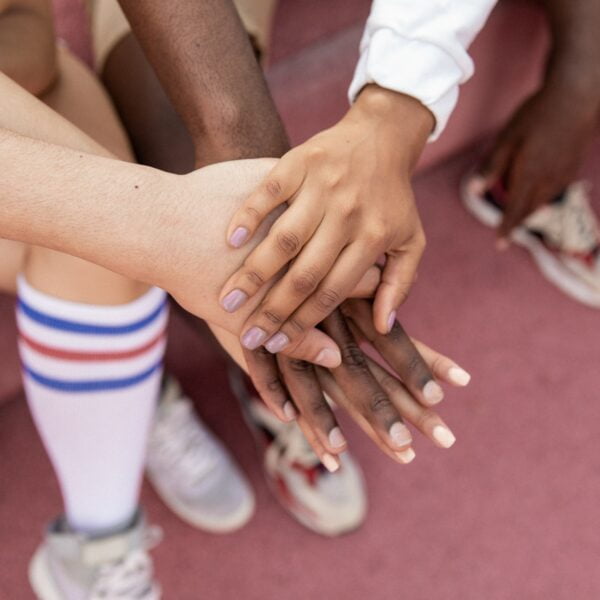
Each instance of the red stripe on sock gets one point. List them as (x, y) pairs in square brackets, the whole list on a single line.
[(78, 355)]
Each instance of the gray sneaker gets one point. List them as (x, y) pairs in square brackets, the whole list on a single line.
[(72, 566), (191, 470)]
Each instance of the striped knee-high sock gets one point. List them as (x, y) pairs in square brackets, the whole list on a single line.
[(92, 375)]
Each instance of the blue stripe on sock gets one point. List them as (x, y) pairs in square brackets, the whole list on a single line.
[(75, 327), (91, 386)]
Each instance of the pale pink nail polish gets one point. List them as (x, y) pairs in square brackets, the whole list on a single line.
[(432, 392), (406, 456), (253, 338), (391, 321), (289, 411), (443, 436), (277, 343), (234, 300), (336, 439), (400, 435), (458, 376), (330, 463), (328, 358), (238, 237)]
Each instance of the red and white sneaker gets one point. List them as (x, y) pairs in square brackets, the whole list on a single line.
[(563, 237), (328, 503)]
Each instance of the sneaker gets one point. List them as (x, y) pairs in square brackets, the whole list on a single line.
[(191, 470), (72, 566), (563, 237), (327, 503)]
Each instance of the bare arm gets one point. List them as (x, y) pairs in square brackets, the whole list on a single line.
[(27, 25), (206, 64), (148, 225)]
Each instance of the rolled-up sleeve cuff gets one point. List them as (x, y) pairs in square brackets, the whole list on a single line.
[(420, 69)]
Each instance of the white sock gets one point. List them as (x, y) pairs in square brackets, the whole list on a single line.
[(92, 376)]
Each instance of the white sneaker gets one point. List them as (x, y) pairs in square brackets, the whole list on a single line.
[(328, 503), (71, 566), (191, 470), (563, 237)]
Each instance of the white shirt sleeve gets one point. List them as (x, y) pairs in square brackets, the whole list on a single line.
[(419, 48)]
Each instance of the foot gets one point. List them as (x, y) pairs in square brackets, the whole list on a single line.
[(562, 237), (72, 566), (328, 503), (191, 470)]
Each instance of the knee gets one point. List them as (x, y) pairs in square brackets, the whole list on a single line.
[(77, 280)]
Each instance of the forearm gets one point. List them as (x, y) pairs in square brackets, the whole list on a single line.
[(575, 55), (206, 64), (27, 44)]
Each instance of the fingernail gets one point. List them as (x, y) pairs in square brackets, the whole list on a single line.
[(238, 237), (458, 376), (406, 456), (234, 300), (336, 439), (432, 392), (253, 338), (328, 358), (289, 411), (330, 463), (391, 321), (400, 434), (443, 436), (502, 244), (277, 343)]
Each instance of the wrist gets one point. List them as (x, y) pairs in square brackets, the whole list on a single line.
[(401, 120)]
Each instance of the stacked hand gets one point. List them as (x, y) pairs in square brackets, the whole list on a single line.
[(380, 401)]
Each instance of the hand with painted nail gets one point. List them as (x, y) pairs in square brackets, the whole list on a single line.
[(189, 258), (350, 201), (379, 401)]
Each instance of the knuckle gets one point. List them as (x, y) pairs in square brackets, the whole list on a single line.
[(349, 211), (273, 188), (305, 283), (288, 242), (353, 357), (379, 403), (327, 299), (375, 235), (252, 213), (272, 316), (315, 153), (318, 407), (299, 366), (296, 325), (254, 278), (273, 385)]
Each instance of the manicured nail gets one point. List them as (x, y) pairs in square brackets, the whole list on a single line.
[(443, 436), (330, 463), (406, 456), (289, 411), (432, 392), (336, 439), (502, 244), (400, 434), (253, 338), (234, 300), (391, 320), (328, 358), (277, 343), (458, 376), (238, 237)]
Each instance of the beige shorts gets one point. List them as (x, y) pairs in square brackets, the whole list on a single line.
[(109, 24)]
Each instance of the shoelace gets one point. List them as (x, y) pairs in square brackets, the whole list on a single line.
[(184, 443), (130, 577)]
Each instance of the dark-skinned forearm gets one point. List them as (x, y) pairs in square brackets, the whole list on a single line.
[(575, 54), (206, 64)]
